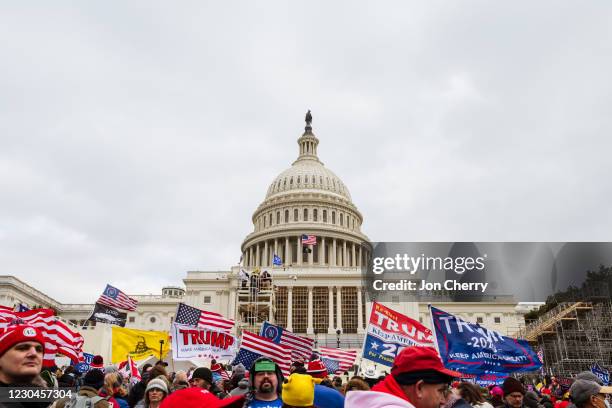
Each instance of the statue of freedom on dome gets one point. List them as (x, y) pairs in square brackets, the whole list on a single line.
[(308, 118)]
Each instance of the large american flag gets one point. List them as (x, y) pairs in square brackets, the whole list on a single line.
[(309, 240), (253, 346), (192, 316), (113, 297), (59, 338), (345, 358)]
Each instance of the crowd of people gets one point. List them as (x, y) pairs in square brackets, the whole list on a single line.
[(417, 379)]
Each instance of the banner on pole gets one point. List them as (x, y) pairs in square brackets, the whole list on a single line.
[(472, 349), (389, 332), (106, 314), (198, 342)]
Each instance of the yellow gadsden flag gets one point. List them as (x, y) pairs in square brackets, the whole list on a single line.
[(139, 344)]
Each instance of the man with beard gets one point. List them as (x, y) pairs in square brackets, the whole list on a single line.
[(21, 356), (266, 382)]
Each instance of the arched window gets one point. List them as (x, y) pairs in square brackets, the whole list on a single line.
[(305, 179), (270, 219), (321, 180), (315, 215), (291, 181), (324, 215), (286, 216), (278, 217), (305, 214), (333, 217), (285, 182), (264, 221), (341, 219), (299, 178), (347, 221), (295, 215)]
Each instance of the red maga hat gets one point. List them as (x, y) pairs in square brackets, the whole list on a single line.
[(415, 359), (200, 398)]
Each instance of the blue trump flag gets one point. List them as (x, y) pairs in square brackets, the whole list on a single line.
[(472, 349), (601, 372)]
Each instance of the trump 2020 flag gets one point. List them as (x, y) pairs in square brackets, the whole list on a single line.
[(472, 349), (388, 332)]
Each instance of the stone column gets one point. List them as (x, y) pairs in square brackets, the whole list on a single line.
[(322, 252), (359, 262), (330, 324), (359, 310), (353, 261), (290, 308), (275, 250), (344, 257), (334, 256), (287, 259), (339, 308), (232, 303), (310, 254), (299, 251), (310, 329), (266, 256), (257, 256)]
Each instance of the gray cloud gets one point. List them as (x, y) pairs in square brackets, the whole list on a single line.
[(137, 139)]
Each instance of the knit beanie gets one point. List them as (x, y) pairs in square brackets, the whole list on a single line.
[(298, 391), (511, 385)]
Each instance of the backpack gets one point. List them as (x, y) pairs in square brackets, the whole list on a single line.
[(82, 401)]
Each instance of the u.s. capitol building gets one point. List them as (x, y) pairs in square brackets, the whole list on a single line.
[(316, 290)]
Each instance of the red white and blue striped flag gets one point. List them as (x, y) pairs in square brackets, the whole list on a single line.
[(300, 347), (113, 297), (345, 358), (193, 316), (253, 346), (309, 240)]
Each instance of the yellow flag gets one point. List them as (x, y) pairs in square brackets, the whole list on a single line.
[(139, 344)]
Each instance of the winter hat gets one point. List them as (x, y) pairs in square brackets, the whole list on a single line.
[(94, 378), (497, 392), (238, 370), (17, 334), (159, 384), (97, 362), (316, 369), (216, 367), (298, 391), (511, 385), (200, 398), (203, 373), (110, 369)]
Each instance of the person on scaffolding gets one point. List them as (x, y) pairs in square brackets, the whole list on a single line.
[(266, 280), (244, 279), (255, 282)]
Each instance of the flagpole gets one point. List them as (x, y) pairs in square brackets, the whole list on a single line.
[(365, 336), (433, 329)]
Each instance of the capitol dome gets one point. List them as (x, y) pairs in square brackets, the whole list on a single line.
[(306, 199)]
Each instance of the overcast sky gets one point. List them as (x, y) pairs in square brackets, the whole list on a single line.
[(137, 138)]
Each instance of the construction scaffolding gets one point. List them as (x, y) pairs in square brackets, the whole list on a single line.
[(255, 298), (572, 336)]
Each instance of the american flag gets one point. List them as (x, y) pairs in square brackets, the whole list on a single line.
[(128, 369), (113, 297), (59, 338), (200, 318), (345, 358), (331, 364), (253, 346), (309, 240), (300, 347)]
